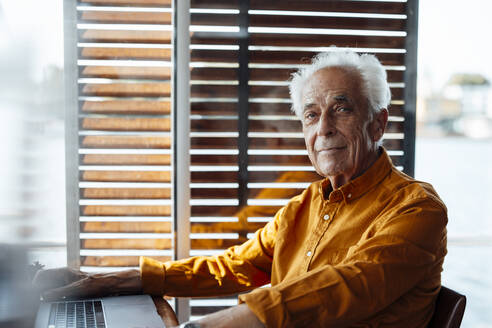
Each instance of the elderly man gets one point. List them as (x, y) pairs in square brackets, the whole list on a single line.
[(363, 247)]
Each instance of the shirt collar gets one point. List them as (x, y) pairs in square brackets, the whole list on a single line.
[(360, 185)]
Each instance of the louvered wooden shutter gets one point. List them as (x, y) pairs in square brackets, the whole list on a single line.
[(248, 154), (247, 150), (124, 167)]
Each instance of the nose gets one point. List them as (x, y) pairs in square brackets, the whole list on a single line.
[(326, 125)]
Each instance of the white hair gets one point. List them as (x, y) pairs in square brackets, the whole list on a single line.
[(375, 84)]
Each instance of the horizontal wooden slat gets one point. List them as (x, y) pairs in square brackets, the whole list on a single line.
[(124, 72), (393, 144), (216, 243), (126, 107), (214, 55), (215, 4), (273, 176), (116, 159), (213, 143), (125, 53), (157, 243), (126, 176), (276, 143), (268, 193), (278, 56), (116, 261), (214, 91), (327, 22), (279, 160), (226, 227), (109, 210), (166, 227), (232, 210), (139, 142), (126, 124), (254, 143), (376, 7), (212, 73), (255, 91), (156, 89), (125, 193), (213, 160), (254, 125), (214, 19), (127, 227), (215, 108), (228, 56), (125, 17), (126, 36), (265, 126), (304, 57), (276, 74), (254, 176), (304, 40), (324, 40), (159, 3), (214, 193)]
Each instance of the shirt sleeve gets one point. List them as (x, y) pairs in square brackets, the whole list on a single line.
[(239, 268), (402, 250)]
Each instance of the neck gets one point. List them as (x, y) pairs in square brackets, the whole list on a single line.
[(341, 179)]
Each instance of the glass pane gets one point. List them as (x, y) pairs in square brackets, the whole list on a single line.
[(32, 191), (454, 145)]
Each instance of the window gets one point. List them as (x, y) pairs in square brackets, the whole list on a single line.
[(136, 188), (453, 145)]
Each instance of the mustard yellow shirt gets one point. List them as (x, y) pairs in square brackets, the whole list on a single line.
[(368, 254)]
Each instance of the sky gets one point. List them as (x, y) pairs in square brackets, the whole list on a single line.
[(454, 37)]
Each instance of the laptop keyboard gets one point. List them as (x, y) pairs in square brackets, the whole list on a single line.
[(77, 314)]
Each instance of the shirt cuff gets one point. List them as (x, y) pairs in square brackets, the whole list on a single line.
[(266, 303), (153, 276)]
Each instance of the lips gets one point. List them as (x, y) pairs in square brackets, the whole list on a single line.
[(331, 149)]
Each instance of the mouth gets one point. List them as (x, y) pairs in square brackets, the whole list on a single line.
[(331, 150)]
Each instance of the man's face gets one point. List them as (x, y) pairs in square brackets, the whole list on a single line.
[(339, 130)]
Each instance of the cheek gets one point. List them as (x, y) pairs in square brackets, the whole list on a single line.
[(309, 138)]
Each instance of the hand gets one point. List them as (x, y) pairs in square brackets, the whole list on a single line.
[(238, 316), (72, 283)]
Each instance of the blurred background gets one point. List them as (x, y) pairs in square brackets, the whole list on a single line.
[(453, 147)]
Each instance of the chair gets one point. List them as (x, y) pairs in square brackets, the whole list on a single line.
[(165, 311), (450, 307)]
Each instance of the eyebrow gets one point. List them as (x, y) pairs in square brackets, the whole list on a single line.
[(308, 106), (341, 98)]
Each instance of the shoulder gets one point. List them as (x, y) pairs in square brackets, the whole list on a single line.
[(401, 189)]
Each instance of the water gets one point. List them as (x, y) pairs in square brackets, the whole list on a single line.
[(460, 169)]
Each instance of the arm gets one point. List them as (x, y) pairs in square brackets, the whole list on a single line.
[(70, 283), (375, 273), (239, 268)]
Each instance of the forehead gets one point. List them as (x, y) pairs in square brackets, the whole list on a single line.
[(333, 81)]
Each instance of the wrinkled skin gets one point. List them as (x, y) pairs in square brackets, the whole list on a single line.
[(340, 131)]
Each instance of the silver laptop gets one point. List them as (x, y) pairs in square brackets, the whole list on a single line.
[(108, 312)]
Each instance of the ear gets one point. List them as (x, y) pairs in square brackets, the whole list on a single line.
[(379, 124)]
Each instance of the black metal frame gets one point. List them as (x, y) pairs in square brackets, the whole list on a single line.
[(243, 102), (410, 91)]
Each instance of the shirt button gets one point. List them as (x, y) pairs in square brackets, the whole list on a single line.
[(349, 195), (309, 253), (326, 217)]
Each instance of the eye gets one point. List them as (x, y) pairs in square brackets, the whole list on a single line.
[(309, 116), (343, 109)]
